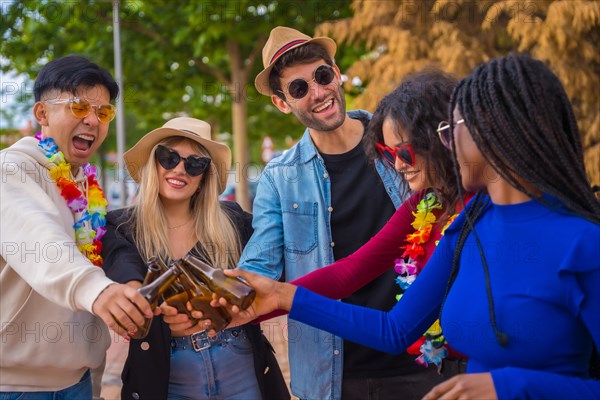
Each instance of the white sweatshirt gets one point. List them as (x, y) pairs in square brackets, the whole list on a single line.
[(48, 336)]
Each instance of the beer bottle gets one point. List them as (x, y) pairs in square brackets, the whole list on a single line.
[(200, 297), (233, 289), (152, 293), (176, 296), (153, 272), (183, 290)]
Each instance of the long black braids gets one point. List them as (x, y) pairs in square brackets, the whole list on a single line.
[(521, 120), (476, 209)]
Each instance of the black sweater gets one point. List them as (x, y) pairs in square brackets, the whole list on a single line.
[(146, 372)]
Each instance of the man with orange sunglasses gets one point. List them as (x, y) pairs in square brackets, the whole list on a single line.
[(55, 301)]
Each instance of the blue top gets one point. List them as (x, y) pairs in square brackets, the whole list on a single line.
[(292, 229), (545, 279)]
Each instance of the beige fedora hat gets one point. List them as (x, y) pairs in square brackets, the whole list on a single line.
[(191, 128), (281, 40)]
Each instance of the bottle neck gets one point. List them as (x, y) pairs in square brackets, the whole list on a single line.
[(152, 291)]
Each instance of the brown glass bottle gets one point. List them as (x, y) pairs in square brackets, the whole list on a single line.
[(154, 270), (200, 296), (152, 293), (234, 290), (176, 295)]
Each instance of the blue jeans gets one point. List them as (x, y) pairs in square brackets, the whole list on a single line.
[(80, 391), (213, 368)]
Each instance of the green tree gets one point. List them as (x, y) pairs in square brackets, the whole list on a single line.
[(196, 58), (404, 36)]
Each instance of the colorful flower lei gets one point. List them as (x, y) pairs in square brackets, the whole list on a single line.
[(432, 345), (90, 212)]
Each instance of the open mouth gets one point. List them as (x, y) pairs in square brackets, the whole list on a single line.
[(83, 142), (324, 107), (176, 183)]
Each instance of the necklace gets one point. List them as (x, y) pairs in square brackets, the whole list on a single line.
[(89, 211), (179, 226), (432, 346)]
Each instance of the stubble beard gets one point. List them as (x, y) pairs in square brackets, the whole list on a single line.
[(307, 119)]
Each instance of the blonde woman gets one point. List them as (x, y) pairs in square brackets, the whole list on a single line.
[(181, 172)]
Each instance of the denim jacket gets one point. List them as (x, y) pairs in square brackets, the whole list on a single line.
[(292, 235)]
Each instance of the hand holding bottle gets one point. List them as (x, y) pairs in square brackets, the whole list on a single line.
[(181, 324), (233, 289), (270, 295), (199, 298), (121, 308), (155, 285), (177, 295), (201, 282), (194, 297)]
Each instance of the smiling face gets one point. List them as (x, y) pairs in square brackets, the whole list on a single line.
[(176, 185), (77, 138), (416, 175), (323, 108)]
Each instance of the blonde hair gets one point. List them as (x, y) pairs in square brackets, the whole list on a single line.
[(218, 238)]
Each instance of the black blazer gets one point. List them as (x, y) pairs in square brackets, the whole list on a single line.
[(146, 372)]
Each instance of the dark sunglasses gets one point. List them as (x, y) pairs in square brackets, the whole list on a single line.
[(404, 152), (323, 75), (169, 159)]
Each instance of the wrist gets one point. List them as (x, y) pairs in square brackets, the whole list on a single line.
[(285, 296), (100, 295)]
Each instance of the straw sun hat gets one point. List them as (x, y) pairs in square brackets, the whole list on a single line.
[(191, 128), (281, 40)]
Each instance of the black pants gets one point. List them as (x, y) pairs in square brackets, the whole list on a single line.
[(405, 387)]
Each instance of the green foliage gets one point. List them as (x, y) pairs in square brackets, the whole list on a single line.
[(176, 56), (7, 137)]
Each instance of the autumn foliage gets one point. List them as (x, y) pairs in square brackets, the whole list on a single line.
[(404, 36)]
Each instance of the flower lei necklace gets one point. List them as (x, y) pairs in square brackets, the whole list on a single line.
[(90, 213), (432, 345)]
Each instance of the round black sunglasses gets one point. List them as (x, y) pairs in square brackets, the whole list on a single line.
[(323, 75)]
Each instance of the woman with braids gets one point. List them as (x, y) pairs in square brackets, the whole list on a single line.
[(515, 278)]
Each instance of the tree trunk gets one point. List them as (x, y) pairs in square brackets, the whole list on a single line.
[(237, 89), (240, 75), (240, 152)]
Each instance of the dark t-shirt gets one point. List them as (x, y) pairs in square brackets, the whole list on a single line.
[(361, 207)]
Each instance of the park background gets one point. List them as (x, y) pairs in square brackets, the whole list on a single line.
[(199, 59)]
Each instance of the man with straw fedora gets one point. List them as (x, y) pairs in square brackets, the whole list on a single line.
[(320, 202)]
